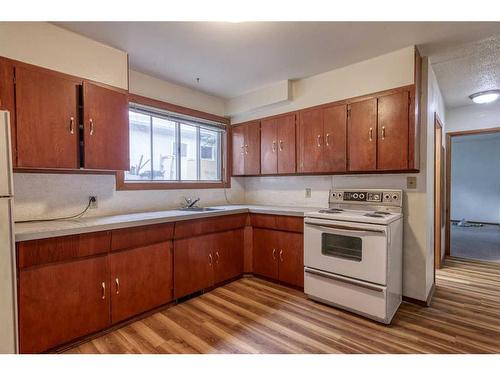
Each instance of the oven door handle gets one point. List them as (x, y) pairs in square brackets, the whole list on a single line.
[(346, 228), (343, 280)]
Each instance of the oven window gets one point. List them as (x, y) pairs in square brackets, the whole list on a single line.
[(345, 247)]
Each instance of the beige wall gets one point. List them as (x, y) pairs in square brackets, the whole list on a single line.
[(384, 72), (49, 46)]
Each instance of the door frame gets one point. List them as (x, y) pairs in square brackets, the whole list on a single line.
[(449, 137), (438, 202)]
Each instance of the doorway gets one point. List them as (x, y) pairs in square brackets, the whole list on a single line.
[(438, 191), (472, 194)]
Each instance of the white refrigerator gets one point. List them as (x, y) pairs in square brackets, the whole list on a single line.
[(8, 305)]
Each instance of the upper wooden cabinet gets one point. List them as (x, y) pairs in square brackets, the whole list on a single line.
[(47, 110), (362, 135), (105, 124), (322, 135), (47, 119), (393, 122), (277, 145), (246, 149)]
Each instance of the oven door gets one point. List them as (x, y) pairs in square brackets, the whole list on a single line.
[(356, 250)]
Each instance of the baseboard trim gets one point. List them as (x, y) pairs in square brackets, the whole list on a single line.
[(419, 302)]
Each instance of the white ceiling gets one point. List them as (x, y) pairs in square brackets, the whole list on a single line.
[(234, 58)]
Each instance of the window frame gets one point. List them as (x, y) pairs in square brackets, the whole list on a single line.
[(122, 184)]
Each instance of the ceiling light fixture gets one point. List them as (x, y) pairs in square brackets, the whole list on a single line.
[(485, 96)]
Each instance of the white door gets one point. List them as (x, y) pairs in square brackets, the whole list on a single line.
[(5, 156), (355, 250), (7, 276)]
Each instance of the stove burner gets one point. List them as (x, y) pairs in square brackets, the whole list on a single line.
[(331, 211), (378, 214)]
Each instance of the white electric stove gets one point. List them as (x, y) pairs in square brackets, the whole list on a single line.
[(353, 252)]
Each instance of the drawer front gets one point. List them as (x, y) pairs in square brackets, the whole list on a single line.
[(58, 249), (191, 228), (278, 222), (127, 238)]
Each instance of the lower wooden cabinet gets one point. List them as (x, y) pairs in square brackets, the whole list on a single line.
[(141, 279), (61, 302), (279, 255), (203, 261)]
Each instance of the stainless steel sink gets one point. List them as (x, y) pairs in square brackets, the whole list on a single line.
[(199, 209)]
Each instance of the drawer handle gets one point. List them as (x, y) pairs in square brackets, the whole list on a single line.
[(343, 280), (281, 256), (117, 282), (72, 125), (274, 253), (91, 127), (103, 285)]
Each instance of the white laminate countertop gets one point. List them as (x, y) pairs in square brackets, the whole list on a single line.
[(57, 228)]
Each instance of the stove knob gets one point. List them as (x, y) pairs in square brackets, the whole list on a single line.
[(395, 197), (361, 196), (387, 197), (339, 195), (355, 195)]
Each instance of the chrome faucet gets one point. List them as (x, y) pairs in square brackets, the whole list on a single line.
[(190, 202)]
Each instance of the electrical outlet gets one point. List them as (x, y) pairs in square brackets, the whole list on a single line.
[(411, 182), (308, 192), (93, 202)]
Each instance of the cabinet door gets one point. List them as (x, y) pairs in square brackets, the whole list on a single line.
[(286, 144), (335, 128), (291, 258), (311, 141), (61, 302), (362, 135), (106, 133), (141, 280), (269, 147), (265, 253), (7, 103), (252, 148), (46, 119), (228, 255), (193, 265), (238, 137), (393, 120)]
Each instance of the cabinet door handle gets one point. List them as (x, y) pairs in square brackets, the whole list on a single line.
[(217, 257), (72, 125), (117, 282), (103, 285), (318, 139), (242, 150), (274, 253), (281, 145), (383, 132), (246, 149), (210, 258), (327, 139), (281, 256), (91, 126), (370, 133)]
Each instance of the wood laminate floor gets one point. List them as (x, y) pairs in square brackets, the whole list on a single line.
[(256, 316)]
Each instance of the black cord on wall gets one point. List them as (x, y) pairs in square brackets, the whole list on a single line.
[(78, 215)]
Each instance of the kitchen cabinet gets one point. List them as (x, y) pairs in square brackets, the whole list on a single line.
[(61, 302), (393, 127), (46, 119), (278, 146), (7, 100), (279, 255), (246, 148), (322, 133), (105, 124), (141, 279), (362, 135), (210, 259)]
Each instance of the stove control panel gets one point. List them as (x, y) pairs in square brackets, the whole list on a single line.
[(389, 197)]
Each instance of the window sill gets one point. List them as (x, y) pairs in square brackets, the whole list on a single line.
[(121, 184)]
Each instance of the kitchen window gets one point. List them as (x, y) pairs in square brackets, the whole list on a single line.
[(173, 150)]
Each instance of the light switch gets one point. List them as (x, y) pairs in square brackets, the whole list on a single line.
[(411, 182)]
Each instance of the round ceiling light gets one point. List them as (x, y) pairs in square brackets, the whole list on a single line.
[(485, 96)]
